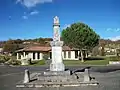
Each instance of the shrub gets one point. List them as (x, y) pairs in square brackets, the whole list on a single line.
[(45, 56), (34, 62), (3, 59), (6, 58), (14, 62), (41, 62)]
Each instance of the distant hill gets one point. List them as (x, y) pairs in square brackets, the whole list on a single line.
[(45, 42)]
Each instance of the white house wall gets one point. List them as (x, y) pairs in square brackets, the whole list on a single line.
[(41, 56), (72, 55), (30, 55)]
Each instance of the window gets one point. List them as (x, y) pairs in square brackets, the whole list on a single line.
[(69, 54), (64, 54)]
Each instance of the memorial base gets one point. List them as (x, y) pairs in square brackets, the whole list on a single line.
[(57, 67), (57, 73)]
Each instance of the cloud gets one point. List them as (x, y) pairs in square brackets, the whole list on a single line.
[(24, 17), (115, 38), (113, 29), (66, 25), (34, 13), (118, 29), (32, 3), (109, 29)]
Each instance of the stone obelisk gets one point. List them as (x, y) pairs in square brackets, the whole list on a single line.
[(56, 44)]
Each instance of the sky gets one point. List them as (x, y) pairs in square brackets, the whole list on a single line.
[(28, 19)]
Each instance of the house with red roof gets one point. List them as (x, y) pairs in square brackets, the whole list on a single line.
[(38, 52)]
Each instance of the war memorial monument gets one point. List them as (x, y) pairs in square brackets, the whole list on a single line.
[(57, 76)]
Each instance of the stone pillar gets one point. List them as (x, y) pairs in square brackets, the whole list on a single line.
[(62, 55), (17, 56), (26, 77), (72, 54), (66, 54), (31, 55), (22, 57), (24, 54), (41, 56), (79, 55), (57, 62), (36, 58), (86, 54), (86, 75)]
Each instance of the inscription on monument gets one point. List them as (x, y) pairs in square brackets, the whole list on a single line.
[(56, 34)]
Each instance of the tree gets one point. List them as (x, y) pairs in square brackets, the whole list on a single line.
[(18, 41), (102, 44), (80, 36), (10, 46), (95, 51)]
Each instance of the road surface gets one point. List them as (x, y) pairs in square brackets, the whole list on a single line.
[(108, 77)]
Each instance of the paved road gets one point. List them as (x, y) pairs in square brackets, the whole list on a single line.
[(109, 77)]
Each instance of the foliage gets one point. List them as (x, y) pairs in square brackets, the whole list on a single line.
[(11, 46), (4, 58), (118, 52), (45, 56), (102, 52), (95, 51), (81, 36), (14, 62)]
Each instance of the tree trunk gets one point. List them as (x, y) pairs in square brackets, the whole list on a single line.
[(82, 59)]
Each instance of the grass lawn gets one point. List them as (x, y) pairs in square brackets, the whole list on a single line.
[(88, 61), (36, 63), (91, 62)]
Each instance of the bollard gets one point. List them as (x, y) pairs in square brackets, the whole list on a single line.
[(26, 76), (86, 75)]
